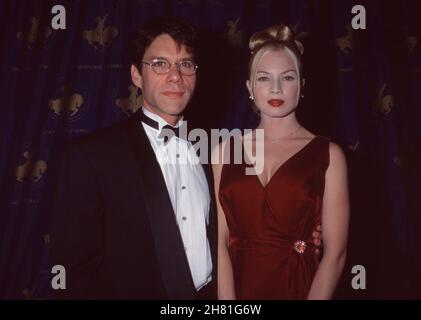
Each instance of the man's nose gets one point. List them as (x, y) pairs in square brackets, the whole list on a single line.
[(174, 73)]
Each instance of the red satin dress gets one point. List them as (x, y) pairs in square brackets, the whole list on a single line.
[(271, 227)]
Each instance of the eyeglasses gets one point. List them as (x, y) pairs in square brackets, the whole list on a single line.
[(163, 66)]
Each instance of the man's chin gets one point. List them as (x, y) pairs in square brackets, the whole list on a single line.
[(174, 109)]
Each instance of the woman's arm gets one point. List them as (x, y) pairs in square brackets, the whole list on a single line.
[(226, 289), (335, 218)]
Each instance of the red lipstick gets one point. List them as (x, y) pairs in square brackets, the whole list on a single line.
[(276, 102)]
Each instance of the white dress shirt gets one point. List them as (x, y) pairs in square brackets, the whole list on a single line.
[(189, 193)]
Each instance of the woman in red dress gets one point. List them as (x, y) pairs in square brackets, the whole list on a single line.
[(266, 219)]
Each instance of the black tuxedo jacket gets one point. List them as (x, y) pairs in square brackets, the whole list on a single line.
[(113, 226)]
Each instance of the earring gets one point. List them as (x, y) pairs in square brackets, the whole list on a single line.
[(302, 96), (251, 97)]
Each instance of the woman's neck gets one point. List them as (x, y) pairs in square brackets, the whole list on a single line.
[(279, 128)]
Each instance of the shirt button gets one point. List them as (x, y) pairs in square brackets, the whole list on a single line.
[(184, 218), (183, 187), (177, 155)]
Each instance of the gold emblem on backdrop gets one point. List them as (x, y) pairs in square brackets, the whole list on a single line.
[(28, 293), (398, 161), (68, 103), (406, 160), (353, 145), (234, 36), (101, 36), (384, 103), (300, 35), (411, 43), (47, 239), (345, 43), (31, 170), (132, 103), (36, 35)]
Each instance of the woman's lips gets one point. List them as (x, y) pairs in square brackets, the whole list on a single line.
[(173, 94), (276, 102)]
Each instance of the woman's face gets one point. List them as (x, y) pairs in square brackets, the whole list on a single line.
[(276, 88)]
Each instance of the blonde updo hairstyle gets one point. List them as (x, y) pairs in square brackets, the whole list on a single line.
[(271, 39)]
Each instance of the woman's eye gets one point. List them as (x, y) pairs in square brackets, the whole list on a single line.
[(262, 79), (289, 78)]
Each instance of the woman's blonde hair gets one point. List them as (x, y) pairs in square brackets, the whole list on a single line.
[(271, 39)]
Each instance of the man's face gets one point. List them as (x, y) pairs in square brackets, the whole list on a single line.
[(166, 95)]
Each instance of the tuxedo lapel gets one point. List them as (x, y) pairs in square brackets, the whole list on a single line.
[(212, 231), (167, 238)]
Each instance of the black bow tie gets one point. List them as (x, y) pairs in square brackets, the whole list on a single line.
[(167, 131)]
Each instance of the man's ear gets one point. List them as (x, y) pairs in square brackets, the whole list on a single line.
[(136, 77)]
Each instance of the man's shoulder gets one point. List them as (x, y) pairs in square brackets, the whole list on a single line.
[(104, 139)]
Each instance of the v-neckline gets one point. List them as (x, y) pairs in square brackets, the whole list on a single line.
[(264, 187)]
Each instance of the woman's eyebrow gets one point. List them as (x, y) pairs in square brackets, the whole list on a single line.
[(289, 70)]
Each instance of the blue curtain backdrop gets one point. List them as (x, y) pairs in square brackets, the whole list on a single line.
[(362, 90)]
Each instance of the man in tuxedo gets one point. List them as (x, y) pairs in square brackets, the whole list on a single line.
[(134, 217)]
